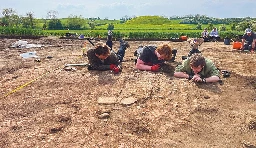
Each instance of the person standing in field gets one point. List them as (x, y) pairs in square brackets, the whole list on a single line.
[(109, 39)]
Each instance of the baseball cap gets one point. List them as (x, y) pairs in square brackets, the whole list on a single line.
[(248, 30)]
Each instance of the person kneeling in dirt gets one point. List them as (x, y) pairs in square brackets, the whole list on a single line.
[(198, 69), (194, 44), (102, 58), (151, 57), (248, 40)]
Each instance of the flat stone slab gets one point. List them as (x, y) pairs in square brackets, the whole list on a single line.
[(128, 101), (107, 100)]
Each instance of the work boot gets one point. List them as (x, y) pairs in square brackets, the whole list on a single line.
[(174, 53), (192, 51)]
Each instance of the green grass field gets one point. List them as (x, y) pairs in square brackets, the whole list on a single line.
[(150, 27)]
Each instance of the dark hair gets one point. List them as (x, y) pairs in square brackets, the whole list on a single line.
[(197, 60), (101, 49)]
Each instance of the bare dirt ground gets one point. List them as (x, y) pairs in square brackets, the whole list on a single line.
[(43, 105)]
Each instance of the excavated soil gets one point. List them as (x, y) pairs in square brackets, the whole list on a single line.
[(44, 104)]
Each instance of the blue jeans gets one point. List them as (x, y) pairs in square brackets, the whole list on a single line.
[(120, 53), (109, 43)]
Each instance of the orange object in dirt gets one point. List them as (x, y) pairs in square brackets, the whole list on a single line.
[(183, 38), (237, 45)]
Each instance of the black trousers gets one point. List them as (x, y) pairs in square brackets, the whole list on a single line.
[(109, 43), (248, 46), (214, 38)]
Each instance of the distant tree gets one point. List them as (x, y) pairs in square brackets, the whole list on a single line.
[(75, 22), (210, 26), (10, 18), (243, 25), (199, 26), (111, 26), (92, 25), (28, 21), (8, 12), (45, 24), (52, 14), (222, 28), (55, 24), (125, 18), (92, 18), (253, 26), (15, 20), (233, 26)]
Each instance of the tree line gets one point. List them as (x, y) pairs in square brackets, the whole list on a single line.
[(11, 21), (52, 22)]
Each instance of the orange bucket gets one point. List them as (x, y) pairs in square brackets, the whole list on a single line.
[(237, 45), (183, 38)]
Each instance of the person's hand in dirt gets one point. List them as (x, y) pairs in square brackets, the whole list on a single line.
[(116, 69), (155, 67), (198, 78), (112, 66)]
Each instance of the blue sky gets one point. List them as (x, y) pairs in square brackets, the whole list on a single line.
[(114, 9)]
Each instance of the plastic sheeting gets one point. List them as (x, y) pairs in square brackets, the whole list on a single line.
[(24, 44)]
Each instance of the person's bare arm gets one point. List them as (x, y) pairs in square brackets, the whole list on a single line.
[(181, 75), (196, 78), (141, 65), (243, 40), (212, 79), (253, 43)]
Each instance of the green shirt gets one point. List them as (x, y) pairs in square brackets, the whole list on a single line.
[(208, 70)]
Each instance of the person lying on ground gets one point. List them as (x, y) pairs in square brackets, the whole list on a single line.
[(248, 40), (102, 58), (198, 69), (151, 57)]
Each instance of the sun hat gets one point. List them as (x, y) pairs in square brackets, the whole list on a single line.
[(248, 30)]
